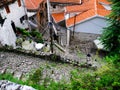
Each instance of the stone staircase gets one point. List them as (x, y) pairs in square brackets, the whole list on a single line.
[(16, 74)]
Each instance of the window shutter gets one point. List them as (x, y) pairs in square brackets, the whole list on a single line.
[(7, 9), (19, 2)]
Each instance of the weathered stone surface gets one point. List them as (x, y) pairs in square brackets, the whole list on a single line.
[(2, 56), (7, 85), (27, 45), (18, 75), (10, 71), (26, 64), (3, 71)]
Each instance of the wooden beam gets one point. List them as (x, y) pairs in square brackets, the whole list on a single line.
[(59, 47)]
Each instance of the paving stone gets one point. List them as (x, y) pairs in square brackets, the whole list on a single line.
[(18, 75), (27, 64), (3, 71), (10, 71)]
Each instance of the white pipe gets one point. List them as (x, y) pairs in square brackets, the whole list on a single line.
[(55, 29), (68, 37), (33, 24), (48, 10)]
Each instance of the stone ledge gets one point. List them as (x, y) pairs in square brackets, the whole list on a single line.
[(7, 85)]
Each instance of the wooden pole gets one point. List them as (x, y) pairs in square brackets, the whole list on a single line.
[(51, 37), (59, 47), (50, 25)]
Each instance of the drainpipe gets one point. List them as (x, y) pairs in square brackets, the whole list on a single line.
[(74, 25), (68, 37), (67, 16)]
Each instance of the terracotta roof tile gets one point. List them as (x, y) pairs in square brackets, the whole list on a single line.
[(66, 1), (94, 8), (103, 12), (105, 1), (32, 4), (58, 17), (78, 8), (80, 17)]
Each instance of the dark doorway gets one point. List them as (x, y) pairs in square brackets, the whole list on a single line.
[(2, 20), (13, 26)]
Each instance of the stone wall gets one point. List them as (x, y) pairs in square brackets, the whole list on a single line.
[(86, 36), (83, 42), (7, 85)]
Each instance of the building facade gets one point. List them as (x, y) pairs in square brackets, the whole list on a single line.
[(12, 15)]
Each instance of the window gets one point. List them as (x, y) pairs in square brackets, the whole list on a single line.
[(23, 18), (19, 3), (54, 6), (2, 20), (7, 9)]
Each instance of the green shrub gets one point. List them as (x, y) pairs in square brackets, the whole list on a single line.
[(57, 86), (37, 36), (23, 32), (113, 59), (10, 77), (105, 78), (36, 76)]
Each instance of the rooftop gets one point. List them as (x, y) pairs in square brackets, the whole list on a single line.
[(58, 17), (33, 4), (87, 10), (66, 1)]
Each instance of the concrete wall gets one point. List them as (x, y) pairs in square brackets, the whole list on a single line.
[(94, 25)]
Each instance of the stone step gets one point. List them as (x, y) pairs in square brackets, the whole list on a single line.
[(10, 71), (18, 75), (3, 71), (15, 74), (23, 78)]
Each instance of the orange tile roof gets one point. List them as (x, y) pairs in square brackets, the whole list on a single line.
[(105, 1), (32, 4), (101, 10), (80, 17), (58, 17), (78, 8), (66, 1), (95, 8)]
